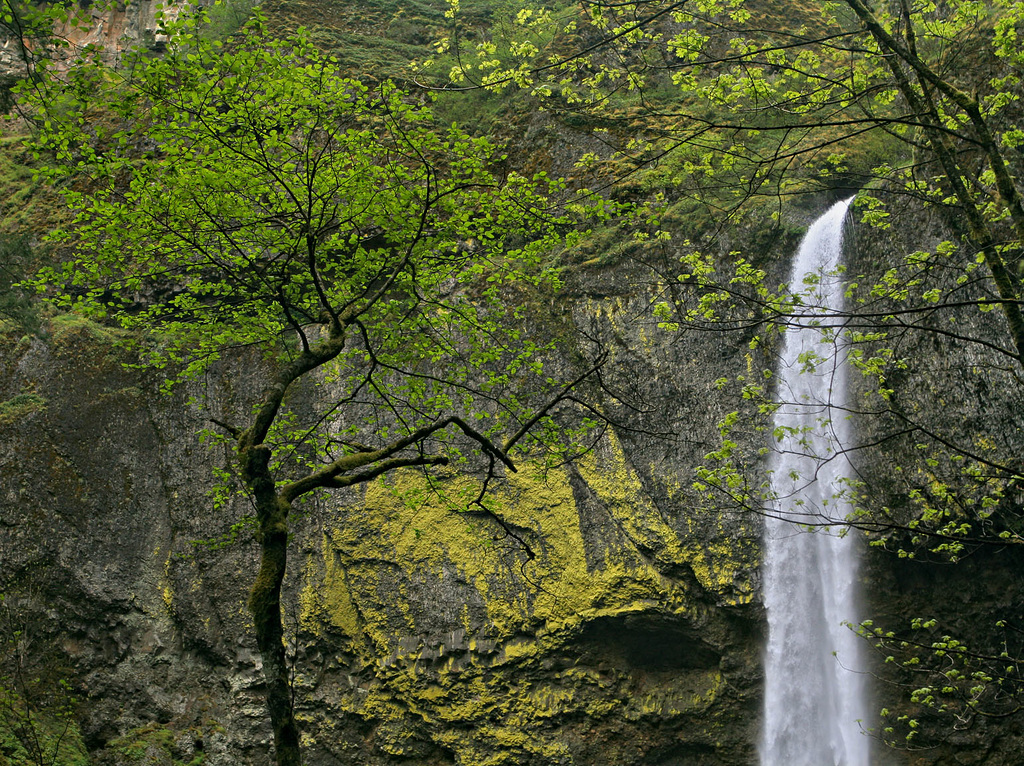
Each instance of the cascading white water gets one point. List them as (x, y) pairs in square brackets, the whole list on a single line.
[(814, 690)]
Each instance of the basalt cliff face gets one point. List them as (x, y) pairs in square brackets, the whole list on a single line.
[(112, 26), (950, 385), (421, 635)]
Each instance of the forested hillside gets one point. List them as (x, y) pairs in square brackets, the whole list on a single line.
[(393, 381)]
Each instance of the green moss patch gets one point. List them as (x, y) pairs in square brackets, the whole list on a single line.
[(156, 743), (20, 406)]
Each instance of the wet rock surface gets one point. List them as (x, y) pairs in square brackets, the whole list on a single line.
[(420, 635)]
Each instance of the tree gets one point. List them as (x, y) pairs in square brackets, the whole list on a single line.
[(37, 709), (32, 42), (917, 104), (247, 195)]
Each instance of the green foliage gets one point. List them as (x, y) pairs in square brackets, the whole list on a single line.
[(245, 193), (242, 193), (38, 726), (947, 679), (34, 735), (916, 101), (266, 156), (712, 103)]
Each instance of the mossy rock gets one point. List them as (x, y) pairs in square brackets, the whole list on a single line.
[(156, 745), (20, 406)]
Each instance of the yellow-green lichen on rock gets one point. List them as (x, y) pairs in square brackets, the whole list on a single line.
[(456, 637), (595, 633)]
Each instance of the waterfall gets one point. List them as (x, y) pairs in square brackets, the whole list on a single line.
[(814, 692)]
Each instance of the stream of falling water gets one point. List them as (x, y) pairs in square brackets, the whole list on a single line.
[(814, 690)]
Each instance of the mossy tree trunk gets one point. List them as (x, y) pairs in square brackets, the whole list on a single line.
[(921, 85), (273, 504), (265, 603)]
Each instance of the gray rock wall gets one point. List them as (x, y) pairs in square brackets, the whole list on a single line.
[(420, 633), (423, 635)]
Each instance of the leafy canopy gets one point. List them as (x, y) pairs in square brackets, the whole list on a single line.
[(918, 104), (249, 194)]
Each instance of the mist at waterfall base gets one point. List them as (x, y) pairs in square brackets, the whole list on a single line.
[(814, 690)]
